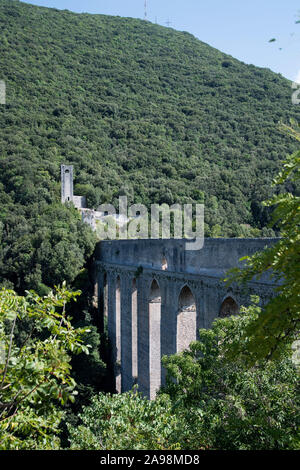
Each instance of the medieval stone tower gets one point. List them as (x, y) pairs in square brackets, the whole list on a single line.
[(67, 194), (66, 183)]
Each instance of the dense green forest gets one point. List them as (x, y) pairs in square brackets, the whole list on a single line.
[(140, 110), (157, 115)]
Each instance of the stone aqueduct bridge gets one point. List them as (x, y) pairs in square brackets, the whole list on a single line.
[(156, 296)]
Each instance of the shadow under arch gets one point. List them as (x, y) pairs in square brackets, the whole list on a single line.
[(228, 307), (186, 330), (118, 334), (134, 330), (102, 288), (154, 303), (101, 319)]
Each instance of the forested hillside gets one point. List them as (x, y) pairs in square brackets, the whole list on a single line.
[(140, 110)]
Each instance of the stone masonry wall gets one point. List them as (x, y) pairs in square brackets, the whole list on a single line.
[(154, 310)]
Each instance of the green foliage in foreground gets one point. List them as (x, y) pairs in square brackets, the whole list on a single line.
[(126, 421), (226, 405), (208, 402), (36, 342), (278, 324)]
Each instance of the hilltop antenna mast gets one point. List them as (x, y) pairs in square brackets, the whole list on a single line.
[(145, 10)]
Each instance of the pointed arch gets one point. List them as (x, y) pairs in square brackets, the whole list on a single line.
[(154, 296), (154, 338), (229, 307), (186, 319)]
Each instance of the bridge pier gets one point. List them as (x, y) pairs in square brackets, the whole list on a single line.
[(143, 339), (157, 307), (126, 334)]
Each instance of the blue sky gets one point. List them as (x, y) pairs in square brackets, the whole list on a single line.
[(239, 28)]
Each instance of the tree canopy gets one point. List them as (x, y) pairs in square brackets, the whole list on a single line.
[(208, 402), (278, 324), (36, 343)]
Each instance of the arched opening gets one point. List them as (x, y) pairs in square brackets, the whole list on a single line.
[(229, 307), (164, 264), (134, 331), (186, 319), (154, 338), (118, 335)]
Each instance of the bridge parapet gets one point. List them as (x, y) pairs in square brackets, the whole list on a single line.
[(215, 258)]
